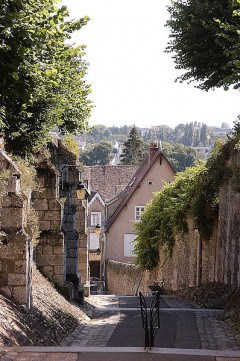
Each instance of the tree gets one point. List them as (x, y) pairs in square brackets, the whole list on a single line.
[(204, 135), (42, 76), (133, 148), (197, 137), (99, 154), (180, 156), (205, 41), (71, 145)]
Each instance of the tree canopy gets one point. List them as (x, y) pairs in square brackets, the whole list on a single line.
[(42, 76), (205, 41), (133, 148), (180, 156), (99, 154)]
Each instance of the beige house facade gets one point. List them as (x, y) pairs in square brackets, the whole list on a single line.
[(124, 210)]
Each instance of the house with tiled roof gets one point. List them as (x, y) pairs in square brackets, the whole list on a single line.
[(124, 210), (104, 183)]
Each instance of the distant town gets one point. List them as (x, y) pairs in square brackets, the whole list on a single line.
[(184, 145)]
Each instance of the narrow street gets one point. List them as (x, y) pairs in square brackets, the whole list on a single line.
[(182, 326), (115, 333)]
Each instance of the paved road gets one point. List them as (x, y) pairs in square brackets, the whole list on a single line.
[(186, 333), (182, 326)]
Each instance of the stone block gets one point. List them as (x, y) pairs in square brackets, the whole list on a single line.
[(58, 280), (82, 252), (17, 201), (12, 218), (54, 205), (48, 271), (7, 291), (58, 250), (13, 184), (40, 204), (44, 225), (41, 215), (82, 267), (19, 294), (69, 227), (55, 225), (72, 252), (15, 279), (52, 215), (50, 193), (47, 249), (71, 243), (43, 260), (7, 201), (56, 260), (39, 249), (59, 270), (13, 251), (20, 266), (8, 266), (3, 279), (71, 235), (70, 218)]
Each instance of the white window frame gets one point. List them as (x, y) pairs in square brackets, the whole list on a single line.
[(128, 244), (95, 218), (138, 211)]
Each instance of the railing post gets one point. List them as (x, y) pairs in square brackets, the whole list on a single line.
[(154, 318), (143, 307)]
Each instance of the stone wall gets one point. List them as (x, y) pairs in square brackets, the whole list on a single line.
[(228, 249), (74, 214), (50, 257), (15, 236), (123, 278)]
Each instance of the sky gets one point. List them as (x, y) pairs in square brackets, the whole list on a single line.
[(132, 78)]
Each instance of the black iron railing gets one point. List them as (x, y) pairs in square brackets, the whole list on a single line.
[(154, 319), (143, 306)]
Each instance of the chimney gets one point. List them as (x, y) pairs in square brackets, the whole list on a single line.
[(153, 149)]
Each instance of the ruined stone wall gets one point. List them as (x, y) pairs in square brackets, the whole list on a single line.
[(15, 242), (109, 180), (50, 258), (74, 214)]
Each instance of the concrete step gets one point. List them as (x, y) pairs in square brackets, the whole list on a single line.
[(114, 353)]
